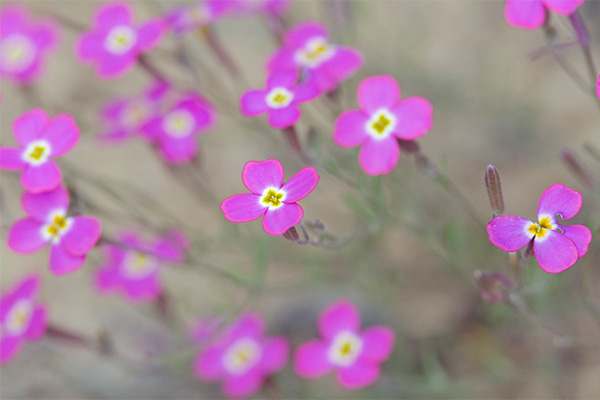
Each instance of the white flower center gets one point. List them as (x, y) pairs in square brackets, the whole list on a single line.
[(37, 152), (316, 51), (120, 39), (179, 123), (242, 355), (381, 124), (138, 265), (17, 53), (135, 113), (279, 97), (272, 197), (57, 225), (344, 349), (18, 318)]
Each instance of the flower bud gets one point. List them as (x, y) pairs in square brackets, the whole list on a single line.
[(292, 234), (494, 190), (493, 286)]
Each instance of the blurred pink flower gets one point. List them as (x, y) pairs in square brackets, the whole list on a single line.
[(70, 238), (242, 357), (557, 247), (598, 87), (531, 14), (204, 330), (21, 317), (176, 131), (24, 44), (381, 121), (40, 138), (270, 197), (273, 7), (114, 43), (133, 269), (355, 355), (195, 16), (280, 99), (307, 48)]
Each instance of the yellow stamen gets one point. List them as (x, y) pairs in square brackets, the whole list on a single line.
[(346, 349), (59, 223), (381, 124), (539, 229), (279, 98), (37, 152), (273, 198)]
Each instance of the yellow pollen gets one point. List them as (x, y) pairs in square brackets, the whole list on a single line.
[(381, 124), (279, 98), (539, 229), (37, 153), (273, 198), (16, 53), (59, 223), (242, 357), (346, 349), (312, 54), (140, 261), (122, 39)]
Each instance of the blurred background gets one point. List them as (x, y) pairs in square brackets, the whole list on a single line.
[(406, 246)]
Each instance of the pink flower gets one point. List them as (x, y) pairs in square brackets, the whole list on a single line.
[(355, 355), (557, 247), (195, 16), (273, 7), (242, 357), (21, 317), (176, 131), (381, 121), (115, 43), (40, 139), (133, 269), (598, 87), (307, 48), (24, 44), (531, 14), (70, 238), (270, 197), (280, 99), (203, 331)]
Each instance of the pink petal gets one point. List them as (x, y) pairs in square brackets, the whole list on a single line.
[(527, 14), (580, 235), (311, 359), (360, 374), (350, 129), (564, 7), (208, 365), (168, 249), (62, 133), (106, 279), (338, 317), (12, 19), (300, 185), (282, 78), (509, 233), (45, 34), (253, 103), (27, 288), (82, 236), (379, 156), (179, 150), (62, 262), (344, 63), (41, 178), (25, 236), (249, 324), (378, 343), (243, 207), (555, 252), (284, 117), (275, 352), (559, 199), (281, 60), (28, 127), (153, 129), (39, 206), (278, 220), (10, 158), (259, 175), (9, 348), (240, 386), (90, 46), (305, 92), (112, 66), (113, 14), (414, 117), (150, 34), (37, 324), (381, 91), (142, 290), (303, 32)]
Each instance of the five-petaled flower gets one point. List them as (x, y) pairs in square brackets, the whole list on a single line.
[(355, 355), (531, 14), (115, 43), (21, 317), (270, 197), (280, 99), (557, 247), (40, 138), (47, 222), (242, 357), (24, 44), (381, 121)]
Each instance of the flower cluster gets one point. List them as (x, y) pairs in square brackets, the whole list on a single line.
[(531, 14)]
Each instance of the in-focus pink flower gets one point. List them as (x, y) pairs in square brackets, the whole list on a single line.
[(195, 16), (176, 132), (280, 100), (114, 43), (242, 357), (381, 121), (353, 354), (270, 197), (557, 247), (24, 44), (531, 14), (133, 268), (21, 317), (70, 238), (307, 48), (40, 139)]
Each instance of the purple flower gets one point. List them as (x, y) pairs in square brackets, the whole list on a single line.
[(115, 43), (307, 48), (270, 197), (24, 44), (242, 357), (40, 139), (70, 238), (531, 14), (557, 247), (355, 355), (21, 317), (280, 99), (381, 121)]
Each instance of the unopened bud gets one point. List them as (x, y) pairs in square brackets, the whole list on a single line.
[(494, 190), (292, 234), (319, 227), (410, 146), (529, 252), (493, 286), (576, 168)]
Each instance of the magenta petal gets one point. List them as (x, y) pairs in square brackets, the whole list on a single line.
[(559, 199), (37, 324), (284, 117), (305, 92), (555, 252), (350, 129), (90, 45), (62, 133), (9, 348), (209, 365), (25, 236), (82, 235), (253, 103), (281, 60), (377, 92), (238, 386), (150, 34), (27, 288), (282, 78), (249, 325), (378, 342), (345, 62), (259, 175), (580, 235), (311, 359), (41, 205), (29, 126), (278, 220), (179, 150), (414, 117), (41, 178), (509, 233), (106, 278), (301, 33), (339, 316), (12, 19), (275, 352), (564, 7), (62, 262), (112, 66), (527, 14), (113, 14), (379, 156), (145, 289), (300, 185), (243, 207), (360, 374), (10, 158), (46, 34)]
